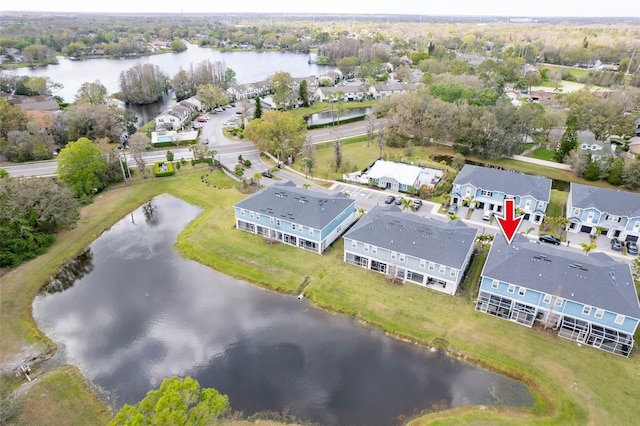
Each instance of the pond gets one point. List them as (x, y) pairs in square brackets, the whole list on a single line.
[(130, 312), (326, 117)]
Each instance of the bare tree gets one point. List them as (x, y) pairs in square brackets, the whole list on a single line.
[(138, 144)]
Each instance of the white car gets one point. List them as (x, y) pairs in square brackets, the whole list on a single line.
[(487, 215)]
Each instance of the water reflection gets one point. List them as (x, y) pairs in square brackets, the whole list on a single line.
[(144, 313), (73, 271)]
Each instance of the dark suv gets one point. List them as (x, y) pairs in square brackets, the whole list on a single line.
[(546, 238)]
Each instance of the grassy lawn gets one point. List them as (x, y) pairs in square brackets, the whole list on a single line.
[(606, 390), (543, 154), (557, 203), (325, 106)]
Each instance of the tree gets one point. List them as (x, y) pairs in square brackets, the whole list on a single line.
[(81, 165), (348, 65), (42, 86), (138, 145), (256, 177), (381, 140), (143, 84), (170, 155), (282, 86), (92, 93), (407, 203), (12, 117), (370, 128), (277, 132), (304, 93), (257, 112), (337, 153), (229, 77), (587, 247), (592, 172), (28, 145), (177, 45), (308, 154), (98, 121), (212, 95), (31, 210), (183, 85), (176, 402), (569, 140), (631, 174)]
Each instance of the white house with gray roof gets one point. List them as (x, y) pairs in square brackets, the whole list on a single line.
[(420, 250), (588, 299), (591, 207), (488, 188), (396, 176), (296, 216)]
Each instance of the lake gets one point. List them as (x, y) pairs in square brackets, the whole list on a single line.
[(249, 66), (326, 117), (130, 312)]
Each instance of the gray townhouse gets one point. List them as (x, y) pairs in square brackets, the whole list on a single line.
[(591, 300), (616, 212), (303, 218), (488, 188), (416, 249)]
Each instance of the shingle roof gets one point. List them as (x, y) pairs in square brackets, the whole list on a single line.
[(446, 243), (301, 206), (595, 280), (511, 183), (612, 201)]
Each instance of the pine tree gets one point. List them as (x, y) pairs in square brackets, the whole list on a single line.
[(257, 112), (569, 140)]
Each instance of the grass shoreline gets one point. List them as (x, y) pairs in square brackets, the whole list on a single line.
[(547, 364)]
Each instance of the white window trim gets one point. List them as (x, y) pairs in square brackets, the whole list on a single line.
[(599, 313), (586, 310), (272, 220), (241, 212), (558, 302), (432, 266), (453, 272), (278, 222), (423, 263), (354, 244), (511, 288), (293, 226), (258, 216), (495, 283), (547, 299), (366, 247), (619, 319), (310, 231), (522, 291), (374, 249), (401, 258), (442, 269)]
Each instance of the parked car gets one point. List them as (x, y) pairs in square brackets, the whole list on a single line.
[(487, 215), (399, 201), (390, 199), (202, 120), (232, 105), (632, 248), (417, 204), (205, 141), (616, 245), (267, 174), (196, 126), (546, 238), (453, 209), (218, 109)]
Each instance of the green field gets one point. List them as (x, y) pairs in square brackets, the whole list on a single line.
[(543, 154), (606, 387)]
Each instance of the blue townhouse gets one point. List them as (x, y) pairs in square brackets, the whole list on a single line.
[(412, 248), (488, 188), (616, 212), (590, 299), (296, 216)]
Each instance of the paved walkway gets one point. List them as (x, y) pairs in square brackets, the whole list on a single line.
[(542, 162)]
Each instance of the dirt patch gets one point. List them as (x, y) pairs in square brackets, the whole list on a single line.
[(28, 355)]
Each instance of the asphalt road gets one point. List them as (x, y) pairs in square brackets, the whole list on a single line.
[(227, 150)]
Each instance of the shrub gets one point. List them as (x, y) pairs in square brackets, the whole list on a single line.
[(247, 163), (238, 170), (163, 168), (178, 165)]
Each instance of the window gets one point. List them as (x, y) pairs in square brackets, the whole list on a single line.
[(293, 226), (558, 302), (511, 288), (258, 216), (278, 222), (494, 283), (442, 269), (366, 247), (576, 212), (547, 299), (453, 272), (338, 229), (432, 266), (374, 249), (394, 255), (251, 214), (599, 313), (401, 258), (522, 291), (354, 243), (486, 193), (586, 310), (272, 220), (310, 231), (619, 319), (241, 212), (423, 263)]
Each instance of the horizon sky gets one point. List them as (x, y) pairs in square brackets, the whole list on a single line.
[(510, 8)]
